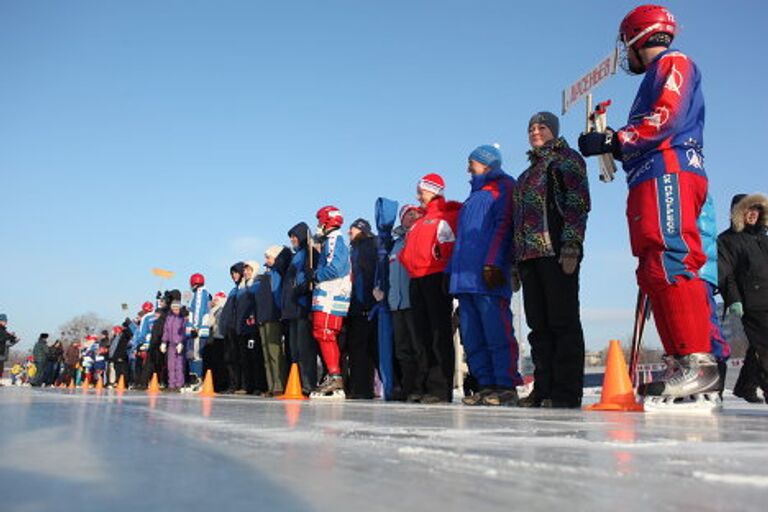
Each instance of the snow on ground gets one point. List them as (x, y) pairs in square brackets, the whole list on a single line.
[(180, 452)]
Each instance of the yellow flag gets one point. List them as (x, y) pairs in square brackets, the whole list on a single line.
[(165, 274)]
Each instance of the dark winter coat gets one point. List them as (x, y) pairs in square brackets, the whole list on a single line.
[(72, 355), (296, 292), (7, 340), (121, 351), (363, 256), (157, 329), (245, 308), (40, 351), (743, 257), (55, 353), (269, 293)]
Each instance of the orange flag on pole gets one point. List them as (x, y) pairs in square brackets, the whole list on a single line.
[(165, 274)]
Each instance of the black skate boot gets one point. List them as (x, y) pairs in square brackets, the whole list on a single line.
[(693, 386)]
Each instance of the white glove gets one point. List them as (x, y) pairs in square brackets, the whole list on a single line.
[(163, 347), (179, 348)]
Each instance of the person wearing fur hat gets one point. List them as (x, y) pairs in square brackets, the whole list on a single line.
[(228, 328), (295, 307), (480, 279), (552, 205), (252, 378), (7, 340), (743, 277), (426, 255), (361, 346), (276, 261)]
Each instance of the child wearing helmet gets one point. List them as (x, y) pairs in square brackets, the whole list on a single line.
[(330, 298)]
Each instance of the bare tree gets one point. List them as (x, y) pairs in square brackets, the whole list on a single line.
[(81, 326)]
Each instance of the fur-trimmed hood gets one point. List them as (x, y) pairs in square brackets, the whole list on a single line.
[(741, 207)]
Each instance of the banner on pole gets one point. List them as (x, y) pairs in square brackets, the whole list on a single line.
[(589, 81), (165, 274)]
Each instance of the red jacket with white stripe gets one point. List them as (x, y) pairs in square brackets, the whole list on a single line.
[(429, 244)]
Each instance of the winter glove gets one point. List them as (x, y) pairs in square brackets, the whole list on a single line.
[(179, 348), (378, 294), (493, 276), (597, 143), (569, 257), (163, 347), (194, 333), (736, 309), (514, 278)]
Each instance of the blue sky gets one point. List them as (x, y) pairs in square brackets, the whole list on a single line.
[(191, 134)]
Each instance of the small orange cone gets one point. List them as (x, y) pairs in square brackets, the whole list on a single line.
[(207, 389), (99, 384), (617, 393), (293, 388), (120, 383), (154, 386)]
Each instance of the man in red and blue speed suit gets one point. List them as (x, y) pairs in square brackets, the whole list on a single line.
[(661, 152)]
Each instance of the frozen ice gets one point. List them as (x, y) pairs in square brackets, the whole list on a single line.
[(82, 451)]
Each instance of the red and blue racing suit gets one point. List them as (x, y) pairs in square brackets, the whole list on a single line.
[(661, 149)]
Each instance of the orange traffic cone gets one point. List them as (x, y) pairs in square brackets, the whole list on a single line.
[(293, 388), (154, 386), (99, 384), (120, 384), (207, 389), (617, 393)]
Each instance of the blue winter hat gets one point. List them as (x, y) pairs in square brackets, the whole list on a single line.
[(363, 225), (487, 155), (3, 317)]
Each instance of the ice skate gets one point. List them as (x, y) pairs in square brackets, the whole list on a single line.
[(332, 388), (477, 398), (692, 386), (501, 397)]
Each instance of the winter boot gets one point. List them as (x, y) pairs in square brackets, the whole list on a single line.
[(501, 397), (693, 385), (478, 397), (332, 388)]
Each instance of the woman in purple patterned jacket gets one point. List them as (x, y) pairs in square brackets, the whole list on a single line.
[(550, 222)]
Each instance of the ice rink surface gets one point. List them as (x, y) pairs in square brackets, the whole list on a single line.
[(66, 450)]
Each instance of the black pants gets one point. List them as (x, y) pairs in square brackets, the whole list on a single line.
[(754, 373), (303, 350), (253, 377), (363, 352), (551, 301), (408, 352), (432, 308), (155, 363), (121, 369)]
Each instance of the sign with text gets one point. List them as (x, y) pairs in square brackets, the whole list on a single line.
[(589, 81)]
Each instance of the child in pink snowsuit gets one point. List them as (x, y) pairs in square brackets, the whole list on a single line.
[(174, 334)]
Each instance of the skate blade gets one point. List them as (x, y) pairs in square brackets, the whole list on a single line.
[(336, 396), (703, 404)]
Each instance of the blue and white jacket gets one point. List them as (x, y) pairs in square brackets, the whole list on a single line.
[(332, 292), (198, 308)]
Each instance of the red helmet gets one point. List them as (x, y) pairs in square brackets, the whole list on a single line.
[(643, 22), (117, 329), (197, 280), (147, 307), (330, 217)]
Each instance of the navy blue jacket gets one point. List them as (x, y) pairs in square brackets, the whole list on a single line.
[(269, 293), (296, 293), (363, 256)]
